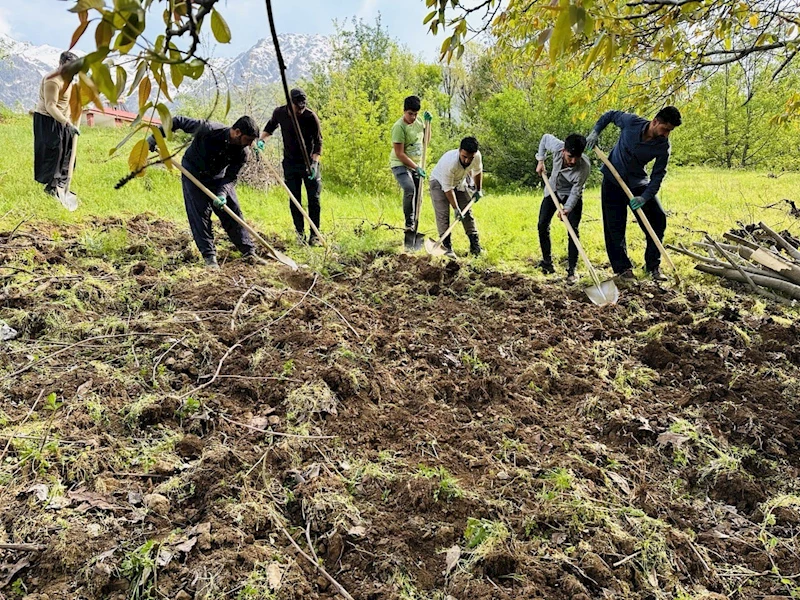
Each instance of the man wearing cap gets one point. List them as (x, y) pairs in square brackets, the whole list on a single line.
[(52, 130), (294, 162)]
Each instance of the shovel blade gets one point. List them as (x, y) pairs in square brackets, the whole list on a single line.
[(604, 294), (283, 259), (414, 241), (434, 248), (68, 199)]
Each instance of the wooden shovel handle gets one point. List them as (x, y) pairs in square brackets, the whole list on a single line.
[(296, 202), (639, 212)]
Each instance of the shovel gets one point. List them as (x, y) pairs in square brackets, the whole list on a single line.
[(273, 253), (414, 240), (436, 248), (601, 293), (68, 199), (639, 212)]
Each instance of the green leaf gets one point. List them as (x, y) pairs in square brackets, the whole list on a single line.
[(103, 34), (124, 141), (101, 75), (78, 33), (219, 28), (140, 71), (176, 74), (137, 159), (82, 5), (144, 92), (228, 102), (561, 35), (122, 79), (166, 118)]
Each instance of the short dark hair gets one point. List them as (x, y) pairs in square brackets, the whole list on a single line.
[(669, 114), (575, 144), (412, 103), (247, 126), (66, 57), (470, 144)]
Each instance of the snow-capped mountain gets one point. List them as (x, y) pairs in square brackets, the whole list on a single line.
[(22, 66)]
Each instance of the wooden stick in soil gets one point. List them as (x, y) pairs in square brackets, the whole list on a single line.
[(23, 547), (320, 568), (779, 239), (736, 266), (782, 268), (772, 283), (296, 202)]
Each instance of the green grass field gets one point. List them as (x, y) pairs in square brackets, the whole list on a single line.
[(697, 198)]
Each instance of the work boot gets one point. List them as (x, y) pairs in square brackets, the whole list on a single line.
[(572, 279), (657, 275), (627, 274), (313, 240), (211, 262), (546, 267), (254, 259), (447, 244), (474, 244)]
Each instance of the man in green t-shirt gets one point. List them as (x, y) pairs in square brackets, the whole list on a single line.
[(407, 136)]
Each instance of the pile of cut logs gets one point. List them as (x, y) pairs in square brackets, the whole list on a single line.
[(757, 256)]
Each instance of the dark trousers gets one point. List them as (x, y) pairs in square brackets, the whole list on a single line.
[(408, 181), (199, 208), (52, 150), (615, 219), (546, 213), (295, 175)]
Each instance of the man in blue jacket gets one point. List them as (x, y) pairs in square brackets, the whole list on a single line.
[(640, 141), (215, 156)]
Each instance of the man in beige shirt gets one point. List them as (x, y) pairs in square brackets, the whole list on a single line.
[(52, 131)]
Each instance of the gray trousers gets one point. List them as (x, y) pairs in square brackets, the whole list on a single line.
[(408, 180), (441, 208)]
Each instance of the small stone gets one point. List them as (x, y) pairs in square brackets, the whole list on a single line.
[(274, 420), (157, 503), (503, 476), (182, 595), (203, 531)]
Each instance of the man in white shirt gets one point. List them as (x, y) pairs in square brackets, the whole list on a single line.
[(456, 180)]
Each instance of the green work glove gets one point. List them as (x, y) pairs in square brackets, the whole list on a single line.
[(260, 145), (220, 201), (461, 215), (421, 172), (637, 202), (477, 195), (591, 140), (428, 117), (314, 171)]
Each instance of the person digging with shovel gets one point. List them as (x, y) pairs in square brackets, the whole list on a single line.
[(53, 132), (571, 168), (408, 135), (456, 180), (215, 157), (295, 155), (640, 142)]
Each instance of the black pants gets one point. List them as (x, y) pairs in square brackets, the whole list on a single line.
[(615, 219), (294, 175), (52, 150), (198, 209), (546, 213)]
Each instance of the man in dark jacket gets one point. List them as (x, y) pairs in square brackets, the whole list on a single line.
[(294, 162), (640, 141), (215, 156)]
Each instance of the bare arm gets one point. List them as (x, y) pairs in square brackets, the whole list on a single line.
[(400, 151)]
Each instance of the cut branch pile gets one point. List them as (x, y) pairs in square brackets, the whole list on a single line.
[(757, 255)]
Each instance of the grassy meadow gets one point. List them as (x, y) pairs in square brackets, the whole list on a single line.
[(698, 199)]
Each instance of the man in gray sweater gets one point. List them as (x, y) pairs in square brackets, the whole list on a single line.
[(568, 178)]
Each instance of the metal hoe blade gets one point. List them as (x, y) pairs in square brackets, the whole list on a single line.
[(604, 294)]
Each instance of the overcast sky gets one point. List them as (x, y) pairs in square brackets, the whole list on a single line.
[(49, 22)]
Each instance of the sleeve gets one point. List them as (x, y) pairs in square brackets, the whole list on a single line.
[(577, 189), (316, 147), (232, 172), (477, 164), (398, 135), (548, 143), (620, 118), (190, 126), (51, 91), (273, 123), (657, 176)]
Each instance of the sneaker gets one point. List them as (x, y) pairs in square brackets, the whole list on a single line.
[(626, 274), (254, 259), (450, 254), (572, 279), (314, 241), (546, 267), (657, 275), (211, 262)]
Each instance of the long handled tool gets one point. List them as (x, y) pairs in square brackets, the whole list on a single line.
[(68, 199), (415, 240), (437, 248), (602, 292), (274, 253), (299, 206), (640, 213)]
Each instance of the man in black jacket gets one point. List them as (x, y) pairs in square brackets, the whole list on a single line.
[(294, 163), (215, 156)]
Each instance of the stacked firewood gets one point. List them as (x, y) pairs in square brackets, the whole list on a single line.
[(755, 255)]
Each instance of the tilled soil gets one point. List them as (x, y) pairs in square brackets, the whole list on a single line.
[(432, 430)]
